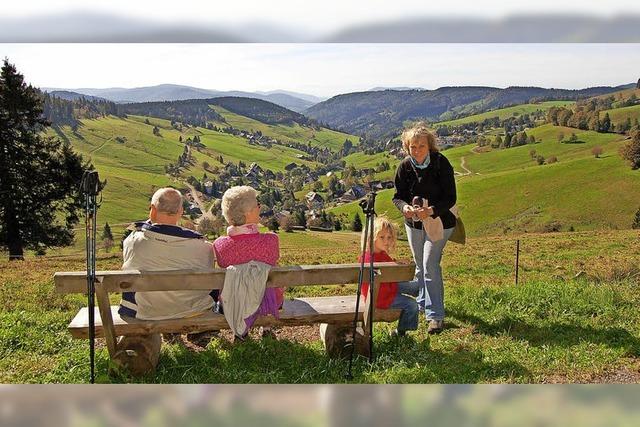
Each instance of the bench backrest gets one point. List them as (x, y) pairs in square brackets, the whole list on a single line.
[(297, 275)]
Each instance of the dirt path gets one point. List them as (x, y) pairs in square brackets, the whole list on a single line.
[(199, 202), (463, 164)]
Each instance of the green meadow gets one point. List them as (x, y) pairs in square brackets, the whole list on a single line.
[(302, 134)]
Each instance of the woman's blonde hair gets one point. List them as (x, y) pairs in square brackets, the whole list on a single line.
[(418, 131), (382, 223), (237, 202)]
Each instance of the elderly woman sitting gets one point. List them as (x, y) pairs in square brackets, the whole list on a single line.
[(244, 243)]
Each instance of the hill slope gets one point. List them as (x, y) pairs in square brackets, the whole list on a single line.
[(380, 114), (132, 158)]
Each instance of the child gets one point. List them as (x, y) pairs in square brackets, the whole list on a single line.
[(392, 294)]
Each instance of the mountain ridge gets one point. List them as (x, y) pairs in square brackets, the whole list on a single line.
[(176, 92)]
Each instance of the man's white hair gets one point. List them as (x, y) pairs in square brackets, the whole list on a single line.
[(237, 202), (167, 200)]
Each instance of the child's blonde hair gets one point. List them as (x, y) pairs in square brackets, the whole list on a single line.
[(382, 223)]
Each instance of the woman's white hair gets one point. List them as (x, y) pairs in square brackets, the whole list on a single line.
[(167, 200), (237, 202)]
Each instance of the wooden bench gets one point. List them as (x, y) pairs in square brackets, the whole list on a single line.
[(139, 348)]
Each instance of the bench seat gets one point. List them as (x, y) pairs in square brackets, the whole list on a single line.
[(299, 311)]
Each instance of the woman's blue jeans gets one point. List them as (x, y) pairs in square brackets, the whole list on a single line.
[(427, 256), (409, 316)]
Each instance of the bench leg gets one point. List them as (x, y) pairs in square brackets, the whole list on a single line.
[(337, 339), (138, 354)]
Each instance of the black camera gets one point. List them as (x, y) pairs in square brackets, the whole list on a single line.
[(368, 204)]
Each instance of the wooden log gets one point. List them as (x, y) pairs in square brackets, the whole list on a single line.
[(171, 280), (138, 354), (338, 339)]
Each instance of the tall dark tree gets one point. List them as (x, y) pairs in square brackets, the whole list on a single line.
[(39, 176), (356, 224)]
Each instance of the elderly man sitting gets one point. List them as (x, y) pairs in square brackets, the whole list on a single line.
[(160, 244)]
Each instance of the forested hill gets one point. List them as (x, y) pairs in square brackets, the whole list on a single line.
[(60, 111), (379, 114), (263, 111), (197, 112)]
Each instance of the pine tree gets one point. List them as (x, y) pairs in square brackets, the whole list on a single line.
[(605, 126), (39, 176), (356, 224), (107, 237), (300, 218), (106, 232)]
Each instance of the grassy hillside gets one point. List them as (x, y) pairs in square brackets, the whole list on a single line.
[(504, 113), (135, 168), (619, 116), (302, 134), (519, 157), (510, 192)]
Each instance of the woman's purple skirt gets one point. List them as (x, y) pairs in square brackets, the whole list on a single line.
[(270, 305)]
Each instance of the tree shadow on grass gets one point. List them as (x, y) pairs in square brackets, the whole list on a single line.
[(445, 365), (554, 333)]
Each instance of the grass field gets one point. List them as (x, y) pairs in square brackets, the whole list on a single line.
[(504, 113), (301, 134), (552, 327)]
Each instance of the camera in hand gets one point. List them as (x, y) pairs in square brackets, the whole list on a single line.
[(417, 202)]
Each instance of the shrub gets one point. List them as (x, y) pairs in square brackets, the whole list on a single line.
[(286, 223), (597, 151)]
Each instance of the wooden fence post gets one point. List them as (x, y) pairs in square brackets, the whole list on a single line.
[(517, 259)]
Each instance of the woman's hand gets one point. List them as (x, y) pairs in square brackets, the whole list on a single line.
[(408, 211), (424, 213)]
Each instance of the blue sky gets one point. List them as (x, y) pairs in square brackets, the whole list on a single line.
[(325, 69)]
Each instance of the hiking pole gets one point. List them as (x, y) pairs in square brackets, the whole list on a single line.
[(90, 186), (367, 206), (372, 301)]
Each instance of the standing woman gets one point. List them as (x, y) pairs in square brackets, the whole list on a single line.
[(427, 174)]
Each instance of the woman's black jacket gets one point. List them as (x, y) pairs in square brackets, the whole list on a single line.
[(436, 183)]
